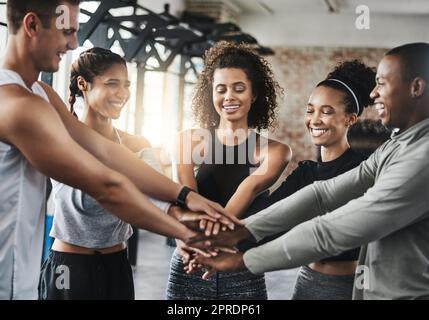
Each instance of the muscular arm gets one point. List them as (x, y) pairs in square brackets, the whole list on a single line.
[(30, 124), (120, 159), (271, 167), (314, 200), (114, 156), (394, 202)]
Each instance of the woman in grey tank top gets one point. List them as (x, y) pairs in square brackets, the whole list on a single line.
[(89, 259)]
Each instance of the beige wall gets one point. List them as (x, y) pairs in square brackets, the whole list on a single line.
[(298, 70)]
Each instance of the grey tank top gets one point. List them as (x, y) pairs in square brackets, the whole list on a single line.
[(80, 220), (22, 213)]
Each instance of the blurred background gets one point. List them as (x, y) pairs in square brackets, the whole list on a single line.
[(164, 41), (303, 39)]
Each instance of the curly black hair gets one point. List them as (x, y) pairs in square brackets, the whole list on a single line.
[(359, 77), (225, 54), (367, 135)]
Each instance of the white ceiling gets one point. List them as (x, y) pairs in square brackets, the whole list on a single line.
[(310, 22), (410, 7)]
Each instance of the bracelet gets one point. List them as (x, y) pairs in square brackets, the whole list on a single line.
[(181, 198)]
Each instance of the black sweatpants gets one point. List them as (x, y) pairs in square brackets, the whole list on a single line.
[(70, 276)]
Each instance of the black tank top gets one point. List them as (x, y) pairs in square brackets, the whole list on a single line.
[(306, 173), (225, 167)]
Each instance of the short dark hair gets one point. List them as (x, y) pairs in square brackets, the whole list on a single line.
[(241, 56), (414, 60), (45, 10)]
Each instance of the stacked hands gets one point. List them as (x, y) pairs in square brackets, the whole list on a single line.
[(211, 246)]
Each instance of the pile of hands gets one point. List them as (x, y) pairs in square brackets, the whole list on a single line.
[(212, 244)]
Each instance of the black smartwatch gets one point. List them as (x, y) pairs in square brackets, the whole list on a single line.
[(181, 198)]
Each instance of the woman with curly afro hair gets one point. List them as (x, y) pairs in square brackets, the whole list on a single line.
[(333, 107), (235, 98)]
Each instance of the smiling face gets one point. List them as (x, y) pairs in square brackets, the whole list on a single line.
[(232, 94), (392, 95), (108, 93), (326, 119), (49, 44)]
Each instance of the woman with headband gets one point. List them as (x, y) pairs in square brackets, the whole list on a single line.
[(334, 106), (332, 109)]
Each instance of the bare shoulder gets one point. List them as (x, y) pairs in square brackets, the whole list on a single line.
[(276, 148), (133, 142), (48, 89), (279, 146), (21, 109), (53, 96), (16, 100)]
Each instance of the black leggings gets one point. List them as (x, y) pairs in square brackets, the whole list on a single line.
[(70, 276)]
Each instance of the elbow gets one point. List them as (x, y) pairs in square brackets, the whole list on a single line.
[(111, 191)]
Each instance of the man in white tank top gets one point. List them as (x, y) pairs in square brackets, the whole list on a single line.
[(39, 138)]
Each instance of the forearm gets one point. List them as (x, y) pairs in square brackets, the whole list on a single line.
[(266, 258), (284, 215), (124, 200), (114, 156), (174, 212), (145, 178), (241, 200), (308, 242), (164, 206), (381, 212), (307, 203)]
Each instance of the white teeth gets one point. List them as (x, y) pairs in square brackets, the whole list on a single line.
[(116, 104), (231, 107), (318, 132), (321, 130)]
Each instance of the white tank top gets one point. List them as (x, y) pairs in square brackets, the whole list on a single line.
[(22, 213)]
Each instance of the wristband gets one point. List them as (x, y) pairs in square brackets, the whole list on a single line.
[(181, 198)]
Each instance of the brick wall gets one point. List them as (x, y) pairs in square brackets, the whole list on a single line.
[(298, 70)]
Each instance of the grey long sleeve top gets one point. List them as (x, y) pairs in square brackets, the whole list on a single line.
[(383, 203)]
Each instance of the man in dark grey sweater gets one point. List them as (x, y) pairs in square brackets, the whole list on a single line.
[(382, 205)]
